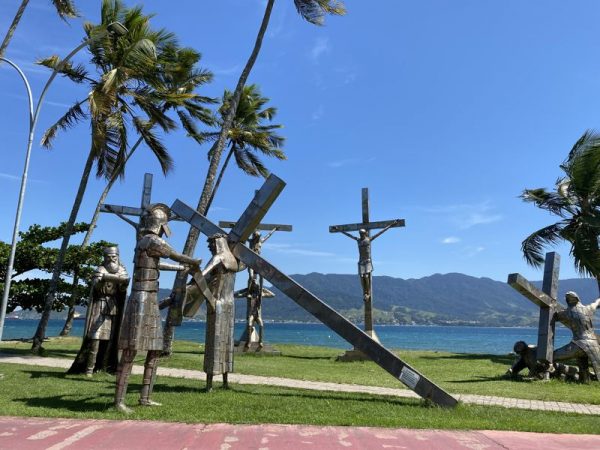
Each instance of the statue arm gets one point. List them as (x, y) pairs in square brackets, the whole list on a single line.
[(595, 304), (384, 230), (168, 266), (269, 234), (349, 235)]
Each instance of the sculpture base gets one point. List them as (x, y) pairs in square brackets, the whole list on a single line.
[(357, 355), (266, 350)]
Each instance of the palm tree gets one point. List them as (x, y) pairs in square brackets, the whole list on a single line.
[(64, 8), (248, 135), (130, 68), (313, 11), (576, 201)]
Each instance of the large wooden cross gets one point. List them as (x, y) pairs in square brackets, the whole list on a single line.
[(323, 312), (546, 299), (245, 339), (367, 225), (124, 211)]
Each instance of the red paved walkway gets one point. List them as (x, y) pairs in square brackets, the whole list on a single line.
[(57, 434)]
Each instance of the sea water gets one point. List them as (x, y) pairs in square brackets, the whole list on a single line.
[(485, 340)]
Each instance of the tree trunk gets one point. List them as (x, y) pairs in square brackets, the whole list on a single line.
[(74, 299), (13, 27), (40, 333), (102, 199), (217, 149), (218, 182)]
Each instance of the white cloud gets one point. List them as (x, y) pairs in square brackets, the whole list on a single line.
[(465, 216), (318, 113), (349, 162), (290, 250), (320, 48), (472, 251), (8, 176), (451, 240)]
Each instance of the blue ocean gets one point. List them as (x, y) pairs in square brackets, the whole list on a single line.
[(488, 340)]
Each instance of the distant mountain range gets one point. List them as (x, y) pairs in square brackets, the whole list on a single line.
[(449, 299)]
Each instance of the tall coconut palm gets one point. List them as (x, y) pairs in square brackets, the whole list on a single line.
[(576, 201), (64, 8), (129, 68), (249, 136), (313, 11)]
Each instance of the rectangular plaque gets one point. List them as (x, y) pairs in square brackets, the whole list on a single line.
[(409, 378)]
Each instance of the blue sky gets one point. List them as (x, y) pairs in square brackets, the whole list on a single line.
[(445, 109)]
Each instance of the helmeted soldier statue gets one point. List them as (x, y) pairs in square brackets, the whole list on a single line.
[(526, 358), (219, 343), (141, 329), (365, 263), (107, 299), (584, 345)]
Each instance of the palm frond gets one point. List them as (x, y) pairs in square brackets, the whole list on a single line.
[(550, 201), (314, 11), (65, 9), (154, 143), (534, 244), (68, 120), (75, 73)]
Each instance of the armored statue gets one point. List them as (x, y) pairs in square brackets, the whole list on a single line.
[(365, 263), (219, 344), (584, 345), (109, 285), (141, 329)]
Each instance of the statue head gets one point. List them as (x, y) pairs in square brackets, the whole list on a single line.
[(363, 233), (111, 258), (155, 219), (572, 298), (520, 347), (219, 247)]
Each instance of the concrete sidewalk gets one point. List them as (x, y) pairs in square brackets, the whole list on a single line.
[(33, 434), (483, 400)]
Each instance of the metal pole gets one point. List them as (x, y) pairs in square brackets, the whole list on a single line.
[(13, 247), (114, 27)]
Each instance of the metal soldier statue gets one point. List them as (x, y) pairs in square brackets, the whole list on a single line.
[(142, 329), (220, 275), (107, 298), (584, 344)]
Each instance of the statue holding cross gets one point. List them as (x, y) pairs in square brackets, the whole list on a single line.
[(365, 263)]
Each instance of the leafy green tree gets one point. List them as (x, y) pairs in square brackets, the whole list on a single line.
[(576, 201), (33, 256), (64, 8), (313, 11), (129, 90), (249, 136)]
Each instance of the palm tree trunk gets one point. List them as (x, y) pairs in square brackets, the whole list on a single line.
[(207, 190), (40, 333), (72, 302), (107, 188), (218, 182), (13, 27)]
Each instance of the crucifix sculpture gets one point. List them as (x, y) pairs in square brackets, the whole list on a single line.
[(365, 264), (546, 299), (320, 310), (123, 211), (254, 292)]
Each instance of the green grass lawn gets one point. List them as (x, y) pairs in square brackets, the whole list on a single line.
[(45, 392)]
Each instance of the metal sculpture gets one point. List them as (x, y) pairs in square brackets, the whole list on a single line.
[(105, 309), (320, 310), (254, 292), (547, 302), (584, 345), (365, 263), (141, 329)]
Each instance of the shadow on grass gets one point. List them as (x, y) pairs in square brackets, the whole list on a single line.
[(312, 358), (497, 359), (98, 403)]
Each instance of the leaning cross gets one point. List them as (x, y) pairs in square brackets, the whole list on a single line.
[(331, 318), (546, 299), (271, 228), (123, 211), (366, 225)]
